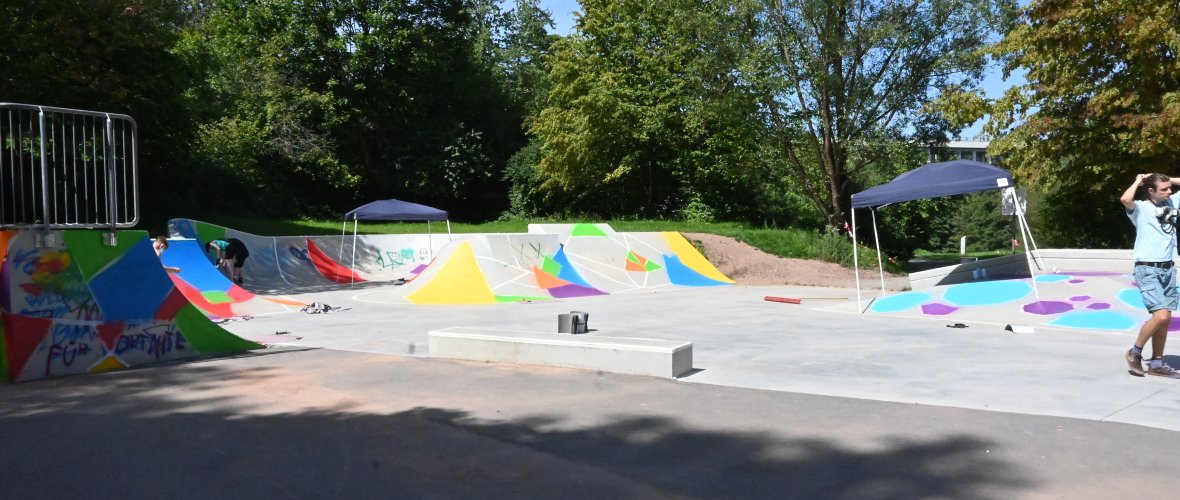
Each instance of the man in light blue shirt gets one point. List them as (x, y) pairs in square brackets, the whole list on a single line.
[(1154, 216)]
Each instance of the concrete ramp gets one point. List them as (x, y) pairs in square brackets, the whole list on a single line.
[(625, 262), (488, 268), (203, 284), (552, 261), (77, 306), (280, 264)]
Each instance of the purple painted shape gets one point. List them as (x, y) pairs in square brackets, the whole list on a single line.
[(1047, 307), (1174, 325), (1098, 306), (418, 270), (1076, 281), (1080, 298), (572, 290), (937, 309)]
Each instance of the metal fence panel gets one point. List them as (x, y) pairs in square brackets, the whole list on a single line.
[(67, 168)]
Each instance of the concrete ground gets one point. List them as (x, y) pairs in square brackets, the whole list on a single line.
[(787, 401)]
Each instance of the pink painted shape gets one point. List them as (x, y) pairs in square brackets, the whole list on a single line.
[(1046, 307), (937, 309)]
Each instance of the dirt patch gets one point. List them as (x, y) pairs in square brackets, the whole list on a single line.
[(750, 266)]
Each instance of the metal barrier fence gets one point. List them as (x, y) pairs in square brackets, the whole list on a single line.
[(67, 168)]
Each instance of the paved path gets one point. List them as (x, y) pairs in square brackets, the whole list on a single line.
[(789, 401), (818, 347)]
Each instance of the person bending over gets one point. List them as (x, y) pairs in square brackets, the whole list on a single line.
[(231, 251)]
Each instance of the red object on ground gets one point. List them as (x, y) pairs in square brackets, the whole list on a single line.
[(785, 300)]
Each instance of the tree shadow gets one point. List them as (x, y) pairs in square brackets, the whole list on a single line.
[(175, 433)]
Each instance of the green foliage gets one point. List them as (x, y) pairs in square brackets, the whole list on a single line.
[(521, 174), (647, 109), (1101, 104), (977, 216), (697, 211)]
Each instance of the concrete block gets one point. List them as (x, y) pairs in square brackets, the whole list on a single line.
[(659, 358)]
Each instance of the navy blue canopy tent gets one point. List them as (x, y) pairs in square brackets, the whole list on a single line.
[(934, 180), (393, 210)]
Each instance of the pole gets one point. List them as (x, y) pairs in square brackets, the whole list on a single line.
[(855, 262), (877, 240), (343, 228), (352, 266), (1028, 252)]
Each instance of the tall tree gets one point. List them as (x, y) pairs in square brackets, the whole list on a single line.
[(846, 75), (647, 106), (334, 101), (1101, 103)]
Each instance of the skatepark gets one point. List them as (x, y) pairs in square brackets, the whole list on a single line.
[(789, 397), (434, 365)]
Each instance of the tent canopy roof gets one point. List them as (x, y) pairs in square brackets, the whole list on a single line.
[(935, 180), (395, 210)]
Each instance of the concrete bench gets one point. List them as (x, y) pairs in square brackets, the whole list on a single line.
[(660, 358)]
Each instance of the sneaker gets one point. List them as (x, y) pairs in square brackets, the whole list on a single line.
[(1163, 371), (1135, 364)]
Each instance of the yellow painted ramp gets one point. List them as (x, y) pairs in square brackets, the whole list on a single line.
[(460, 281), (690, 257)]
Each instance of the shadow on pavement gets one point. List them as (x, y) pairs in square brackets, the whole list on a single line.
[(181, 434)]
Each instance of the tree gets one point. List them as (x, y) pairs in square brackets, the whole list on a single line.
[(318, 105), (648, 109), (1101, 103), (843, 76)]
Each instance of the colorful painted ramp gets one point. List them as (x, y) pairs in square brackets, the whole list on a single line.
[(485, 269), (294, 263), (211, 291), (1077, 300), (625, 262), (85, 307), (558, 261)]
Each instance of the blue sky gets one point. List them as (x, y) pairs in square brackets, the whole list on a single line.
[(993, 84)]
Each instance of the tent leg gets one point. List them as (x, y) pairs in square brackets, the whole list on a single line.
[(449, 236), (430, 241), (352, 265), (343, 229), (880, 263), (855, 262), (1028, 257)]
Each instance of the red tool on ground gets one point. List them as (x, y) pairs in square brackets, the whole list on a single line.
[(785, 300)]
